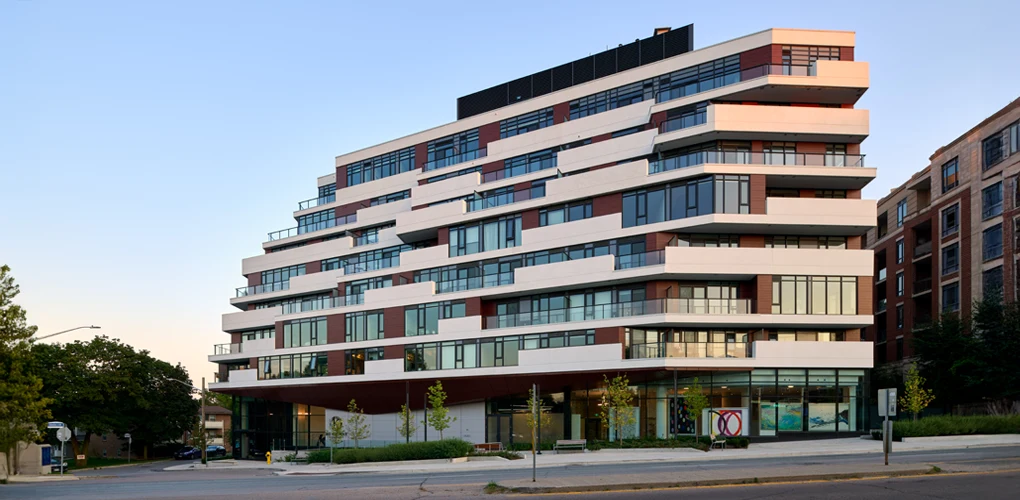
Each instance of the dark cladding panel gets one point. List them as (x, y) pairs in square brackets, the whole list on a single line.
[(584, 70), (679, 41), (651, 49), (520, 89), (541, 83), (482, 101), (627, 57), (622, 58), (563, 76)]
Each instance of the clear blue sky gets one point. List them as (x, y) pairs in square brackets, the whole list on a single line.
[(147, 147)]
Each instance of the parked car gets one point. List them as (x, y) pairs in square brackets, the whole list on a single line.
[(188, 453), (215, 451)]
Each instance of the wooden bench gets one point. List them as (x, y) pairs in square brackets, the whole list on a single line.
[(488, 446), (570, 444)]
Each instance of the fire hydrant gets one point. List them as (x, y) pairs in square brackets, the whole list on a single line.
[(269, 458)]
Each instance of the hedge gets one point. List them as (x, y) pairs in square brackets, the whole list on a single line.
[(702, 443), (951, 425), (446, 448)]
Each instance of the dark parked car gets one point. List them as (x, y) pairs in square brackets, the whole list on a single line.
[(188, 453), (215, 451)]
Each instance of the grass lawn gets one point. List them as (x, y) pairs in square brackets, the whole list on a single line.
[(108, 462)]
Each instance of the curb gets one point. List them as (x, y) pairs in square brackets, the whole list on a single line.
[(714, 482)]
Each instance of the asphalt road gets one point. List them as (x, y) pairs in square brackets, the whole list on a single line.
[(149, 481)]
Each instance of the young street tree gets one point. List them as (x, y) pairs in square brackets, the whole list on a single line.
[(617, 413), (357, 427), (406, 425), (22, 406), (535, 406), (335, 433), (439, 418), (915, 397), (696, 403)]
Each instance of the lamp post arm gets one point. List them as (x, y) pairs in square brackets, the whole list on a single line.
[(91, 327)]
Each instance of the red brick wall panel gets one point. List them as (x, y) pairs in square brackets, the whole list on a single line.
[(757, 194), (335, 363), (763, 297), (607, 204), (335, 329), (393, 322)]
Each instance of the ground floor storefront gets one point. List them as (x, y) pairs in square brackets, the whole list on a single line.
[(768, 403)]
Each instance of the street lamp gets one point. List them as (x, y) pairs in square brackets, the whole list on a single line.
[(91, 327), (205, 460)]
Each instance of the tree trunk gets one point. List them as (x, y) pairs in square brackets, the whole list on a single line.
[(80, 449)]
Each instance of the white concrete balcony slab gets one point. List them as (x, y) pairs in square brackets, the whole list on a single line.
[(298, 285), (249, 320), (723, 263), (813, 354), (246, 350), (368, 190)]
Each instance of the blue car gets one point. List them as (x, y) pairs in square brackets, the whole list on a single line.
[(188, 453)]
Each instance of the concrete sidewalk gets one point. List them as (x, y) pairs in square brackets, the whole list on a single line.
[(548, 459)]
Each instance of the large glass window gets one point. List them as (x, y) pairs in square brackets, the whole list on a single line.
[(950, 220), (899, 251), (901, 212), (423, 319), (354, 359), (492, 234), (814, 295), (950, 175), (263, 333), (282, 274), (452, 149), (991, 242), (526, 123), (390, 198), (316, 222), (714, 194), (1000, 145), (950, 259), (900, 284), (381, 166), (809, 242), (708, 240), (991, 200), (991, 280), (951, 297), (487, 352), (362, 326), (293, 366), (565, 213), (803, 55), (304, 332)]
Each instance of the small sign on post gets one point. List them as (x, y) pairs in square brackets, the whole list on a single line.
[(886, 409), (127, 435)]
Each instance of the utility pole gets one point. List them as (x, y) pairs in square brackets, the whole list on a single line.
[(407, 404), (534, 414), (538, 403), (205, 459), (674, 418), (426, 422)]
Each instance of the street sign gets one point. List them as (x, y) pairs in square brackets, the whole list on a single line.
[(64, 434), (81, 457), (127, 435), (887, 402), (55, 425)]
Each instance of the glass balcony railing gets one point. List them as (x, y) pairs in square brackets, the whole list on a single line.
[(621, 310), (221, 349), (683, 89), (322, 303), (754, 158), (690, 350), (682, 122), (463, 284), (455, 159), (653, 258), (537, 165), (314, 202), (366, 239), (372, 265), (881, 305), (922, 249), (310, 228), (246, 291), (922, 286), (496, 200)]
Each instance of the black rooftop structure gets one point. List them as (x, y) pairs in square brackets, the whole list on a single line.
[(638, 53)]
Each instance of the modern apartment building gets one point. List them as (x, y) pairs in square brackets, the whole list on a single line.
[(947, 236), (652, 210)]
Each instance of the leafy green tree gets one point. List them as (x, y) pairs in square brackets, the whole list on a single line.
[(104, 386), (23, 409), (948, 358), (617, 412), (915, 397), (336, 433), (543, 420), (696, 403), (219, 399), (439, 416), (357, 425), (406, 425)]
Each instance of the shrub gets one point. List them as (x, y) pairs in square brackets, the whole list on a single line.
[(509, 455), (446, 448), (952, 425)]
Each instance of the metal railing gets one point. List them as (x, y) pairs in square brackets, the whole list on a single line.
[(366, 239), (691, 88), (455, 159), (517, 170), (245, 291), (922, 285), (314, 202), (490, 201), (682, 122), (220, 349), (621, 310), (322, 303), (372, 265), (690, 350), (881, 305), (754, 158), (922, 249), (653, 258), (310, 228)]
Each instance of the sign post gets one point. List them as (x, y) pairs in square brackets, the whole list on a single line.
[(64, 435), (128, 436), (886, 409)]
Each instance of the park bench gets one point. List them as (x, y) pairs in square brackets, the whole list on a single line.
[(488, 446), (718, 440), (570, 444)]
